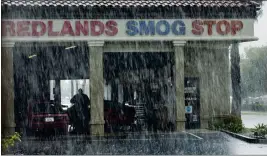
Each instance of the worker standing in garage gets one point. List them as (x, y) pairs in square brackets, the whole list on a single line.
[(81, 102)]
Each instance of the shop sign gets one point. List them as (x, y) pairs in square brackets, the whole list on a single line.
[(188, 109), (191, 98), (194, 118), (190, 89), (128, 29)]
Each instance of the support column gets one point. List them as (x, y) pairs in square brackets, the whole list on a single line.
[(236, 80), (179, 84), (205, 74), (96, 87), (57, 94), (7, 89)]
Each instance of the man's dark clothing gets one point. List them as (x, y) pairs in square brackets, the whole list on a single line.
[(81, 102)]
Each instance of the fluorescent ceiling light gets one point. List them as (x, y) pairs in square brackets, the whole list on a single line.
[(31, 56), (70, 47)]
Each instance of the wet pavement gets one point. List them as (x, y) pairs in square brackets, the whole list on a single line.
[(187, 143)]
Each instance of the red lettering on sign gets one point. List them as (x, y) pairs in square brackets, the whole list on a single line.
[(23, 28), (35, 25), (112, 29), (50, 29), (67, 29), (219, 27), (81, 28), (197, 27), (8, 28), (236, 26), (99, 25), (209, 24)]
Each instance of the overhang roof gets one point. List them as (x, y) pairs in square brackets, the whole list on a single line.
[(134, 3)]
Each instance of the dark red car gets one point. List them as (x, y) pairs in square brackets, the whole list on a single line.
[(45, 116), (117, 116)]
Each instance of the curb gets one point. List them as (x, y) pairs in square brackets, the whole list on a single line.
[(263, 141), (243, 137)]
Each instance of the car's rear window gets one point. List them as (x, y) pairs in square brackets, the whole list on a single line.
[(45, 108), (112, 105)]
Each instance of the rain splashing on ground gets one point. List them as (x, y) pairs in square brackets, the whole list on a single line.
[(131, 77)]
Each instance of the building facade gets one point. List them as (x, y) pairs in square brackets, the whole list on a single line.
[(154, 53)]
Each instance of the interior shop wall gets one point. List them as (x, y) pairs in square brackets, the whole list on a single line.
[(70, 87)]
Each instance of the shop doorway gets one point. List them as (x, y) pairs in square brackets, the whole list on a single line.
[(192, 102)]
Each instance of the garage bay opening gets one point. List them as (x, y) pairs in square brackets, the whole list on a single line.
[(143, 82)]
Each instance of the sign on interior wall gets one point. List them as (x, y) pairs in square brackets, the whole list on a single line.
[(188, 109), (127, 29)]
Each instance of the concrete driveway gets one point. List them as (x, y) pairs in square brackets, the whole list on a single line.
[(199, 142)]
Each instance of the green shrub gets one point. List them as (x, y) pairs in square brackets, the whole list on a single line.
[(260, 130), (9, 141), (229, 123), (258, 107)]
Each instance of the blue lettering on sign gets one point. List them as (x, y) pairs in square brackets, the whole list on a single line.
[(166, 26), (131, 28), (147, 29), (151, 27), (181, 30)]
